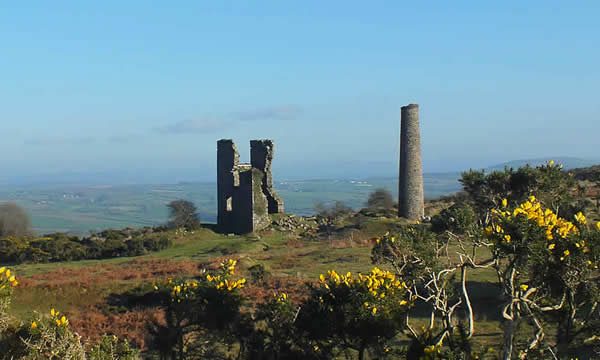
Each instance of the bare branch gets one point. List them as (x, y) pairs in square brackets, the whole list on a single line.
[(467, 301)]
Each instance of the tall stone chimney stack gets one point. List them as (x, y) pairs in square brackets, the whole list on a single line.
[(410, 185)]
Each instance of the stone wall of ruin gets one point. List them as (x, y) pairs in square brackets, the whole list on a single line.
[(245, 194)]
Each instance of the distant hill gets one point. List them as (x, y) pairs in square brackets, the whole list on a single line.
[(567, 162)]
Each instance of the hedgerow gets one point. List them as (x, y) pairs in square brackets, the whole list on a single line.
[(62, 247)]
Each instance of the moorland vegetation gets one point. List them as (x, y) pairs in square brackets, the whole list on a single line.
[(508, 268), (18, 244)]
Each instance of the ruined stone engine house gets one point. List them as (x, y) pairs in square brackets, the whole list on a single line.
[(245, 194)]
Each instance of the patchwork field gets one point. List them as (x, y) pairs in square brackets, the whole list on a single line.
[(77, 209)]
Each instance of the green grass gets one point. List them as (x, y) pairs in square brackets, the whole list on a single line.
[(282, 255)]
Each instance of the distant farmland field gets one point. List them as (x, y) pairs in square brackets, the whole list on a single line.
[(78, 209)]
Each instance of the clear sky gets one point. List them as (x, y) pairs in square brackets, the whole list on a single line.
[(143, 90)]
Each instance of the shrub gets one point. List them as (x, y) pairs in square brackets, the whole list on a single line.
[(257, 273), (458, 219), (331, 216), (335, 211), (207, 308), (183, 214), (277, 336), (380, 199), (136, 247), (63, 247), (359, 312), (49, 336), (14, 221), (547, 266), (110, 348), (551, 185)]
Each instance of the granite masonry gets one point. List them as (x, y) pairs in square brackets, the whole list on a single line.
[(410, 185), (245, 194)]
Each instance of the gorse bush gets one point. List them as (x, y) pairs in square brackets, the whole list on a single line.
[(111, 348), (548, 182), (349, 312), (547, 267), (63, 247), (458, 219), (49, 336), (359, 312), (207, 308), (7, 283)]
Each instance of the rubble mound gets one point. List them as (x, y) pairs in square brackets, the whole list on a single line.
[(292, 223)]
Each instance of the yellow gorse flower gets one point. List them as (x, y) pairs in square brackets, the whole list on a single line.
[(228, 266), (182, 290), (547, 219), (554, 227), (229, 284), (488, 231), (59, 321), (281, 297), (378, 283), (7, 279), (580, 218)]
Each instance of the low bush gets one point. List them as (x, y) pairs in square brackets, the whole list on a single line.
[(49, 336), (62, 247)]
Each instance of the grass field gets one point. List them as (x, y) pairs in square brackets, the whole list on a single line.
[(94, 293)]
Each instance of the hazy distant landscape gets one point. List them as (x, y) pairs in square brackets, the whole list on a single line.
[(79, 208)]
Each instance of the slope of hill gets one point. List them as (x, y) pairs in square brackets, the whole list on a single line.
[(567, 162)]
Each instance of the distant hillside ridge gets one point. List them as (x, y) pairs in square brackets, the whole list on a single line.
[(591, 173), (567, 162)]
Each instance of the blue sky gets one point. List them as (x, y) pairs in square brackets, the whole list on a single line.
[(142, 90)]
